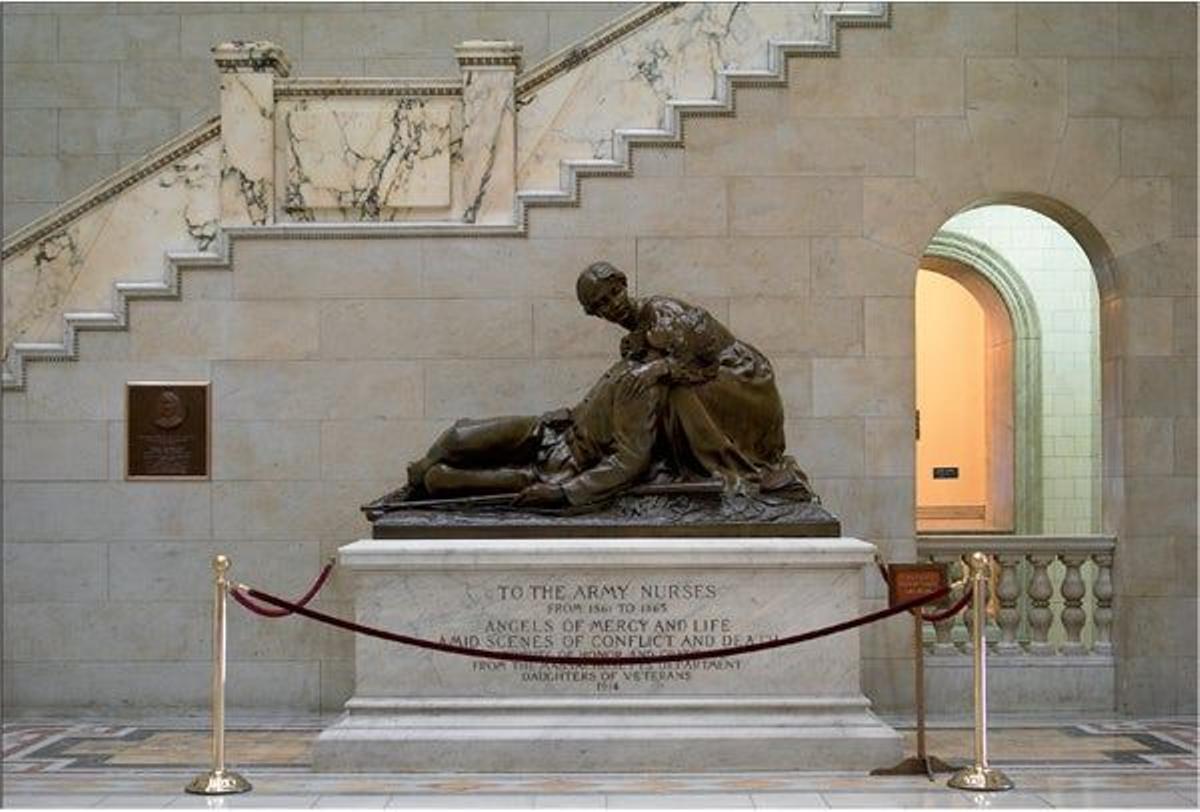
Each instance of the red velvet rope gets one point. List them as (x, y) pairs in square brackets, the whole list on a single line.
[(268, 611), (644, 659), (957, 607)]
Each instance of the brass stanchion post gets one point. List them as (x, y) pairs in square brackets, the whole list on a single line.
[(218, 780), (923, 763), (979, 776)]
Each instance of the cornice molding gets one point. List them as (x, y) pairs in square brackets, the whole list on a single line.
[(479, 53), (334, 88), (261, 56)]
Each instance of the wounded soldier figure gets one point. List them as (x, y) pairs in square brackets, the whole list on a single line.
[(687, 402)]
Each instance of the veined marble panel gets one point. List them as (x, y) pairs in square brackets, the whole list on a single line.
[(372, 158), (75, 267), (247, 173), (676, 56)]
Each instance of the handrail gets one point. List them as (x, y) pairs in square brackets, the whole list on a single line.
[(582, 50), (62, 214), (1015, 545)]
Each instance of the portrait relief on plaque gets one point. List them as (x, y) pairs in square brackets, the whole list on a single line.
[(167, 430)]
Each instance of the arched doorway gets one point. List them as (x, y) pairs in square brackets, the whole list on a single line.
[(1031, 388), (963, 281)]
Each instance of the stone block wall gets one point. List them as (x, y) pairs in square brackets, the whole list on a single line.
[(91, 87), (800, 223)]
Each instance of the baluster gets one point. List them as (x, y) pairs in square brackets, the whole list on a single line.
[(1008, 618), (1073, 616), (1040, 616), (943, 630), (968, 619), (1102, 616)]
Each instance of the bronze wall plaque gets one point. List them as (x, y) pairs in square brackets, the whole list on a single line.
[(167, 430), (907, 582)]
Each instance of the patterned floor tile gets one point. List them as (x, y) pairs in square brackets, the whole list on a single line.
[(681, 801), (930, 799), (485, 801), (592, 801), (49, 800), (146, 763), (129, 800), (352, 801), (1116, 800), (787, 800), (245, 800), (1012, 799)]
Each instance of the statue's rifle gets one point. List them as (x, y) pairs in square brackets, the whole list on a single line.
[(712, 486)]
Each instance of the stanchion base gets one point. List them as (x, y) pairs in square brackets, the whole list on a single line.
[(976, 778), (218, 782), (917, 766)]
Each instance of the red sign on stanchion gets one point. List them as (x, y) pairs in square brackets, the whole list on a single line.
[(907, 582)]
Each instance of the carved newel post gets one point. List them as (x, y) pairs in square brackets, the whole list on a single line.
[(248, 73), (489, 135)]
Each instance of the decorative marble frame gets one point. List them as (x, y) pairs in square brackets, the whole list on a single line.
[(314, 119)]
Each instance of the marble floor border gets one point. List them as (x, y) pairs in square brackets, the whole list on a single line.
[(1120, 778)]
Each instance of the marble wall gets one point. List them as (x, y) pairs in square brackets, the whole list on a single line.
[(799, 222)]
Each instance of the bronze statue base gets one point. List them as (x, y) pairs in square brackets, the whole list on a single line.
[(688, 513)]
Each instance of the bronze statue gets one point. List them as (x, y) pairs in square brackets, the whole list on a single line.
[(686, 403)]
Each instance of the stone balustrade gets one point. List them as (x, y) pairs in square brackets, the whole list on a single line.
[(1055, 595)]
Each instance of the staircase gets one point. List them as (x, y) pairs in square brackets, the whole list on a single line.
[(668, 62)]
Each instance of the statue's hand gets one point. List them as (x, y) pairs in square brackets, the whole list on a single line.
[(542, 494), (649, 374)]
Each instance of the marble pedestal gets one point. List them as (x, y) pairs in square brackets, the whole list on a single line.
[(793, 708)]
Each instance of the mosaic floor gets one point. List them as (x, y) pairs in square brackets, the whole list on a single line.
[(87, 763)]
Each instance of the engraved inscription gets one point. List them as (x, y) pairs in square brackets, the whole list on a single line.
[(607, 618)]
